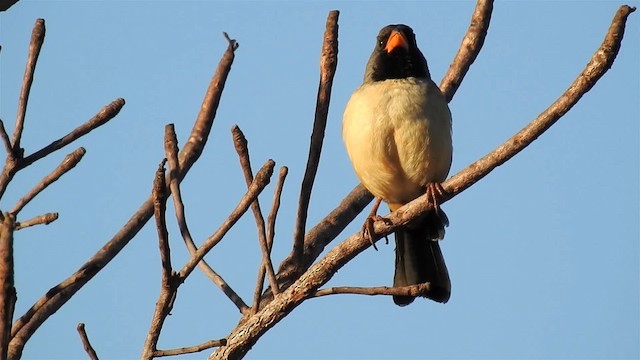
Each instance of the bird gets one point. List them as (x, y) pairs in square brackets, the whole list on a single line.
[(397, 132)]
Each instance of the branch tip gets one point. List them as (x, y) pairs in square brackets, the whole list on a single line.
[(233, 44)]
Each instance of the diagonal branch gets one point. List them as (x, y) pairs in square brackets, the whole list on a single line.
[(58, 295), (171, 152), (70, 161), (240, 340), (271, 231), (5, 139), (240, 143), (14, 164), (35, 45), (105, 114), (469, 49), (328, 64)]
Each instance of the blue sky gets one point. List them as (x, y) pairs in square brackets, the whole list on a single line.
[(543, 253)]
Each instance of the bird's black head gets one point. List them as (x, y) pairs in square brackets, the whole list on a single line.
[(396, 56)]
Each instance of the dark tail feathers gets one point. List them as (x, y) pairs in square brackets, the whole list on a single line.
[(419, 259)]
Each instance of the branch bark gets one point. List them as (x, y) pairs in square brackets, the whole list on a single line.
[(44, 219), (85, 342), (328, 64), (169, 287), (7, 289), (469, 49), (35, 45), (69, 162), (411, 290)]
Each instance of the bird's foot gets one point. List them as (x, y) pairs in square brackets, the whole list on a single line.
[(367, 229), (435, 192)]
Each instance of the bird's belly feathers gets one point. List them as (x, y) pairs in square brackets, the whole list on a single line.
[(398, 136)]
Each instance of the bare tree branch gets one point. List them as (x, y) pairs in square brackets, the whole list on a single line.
[(271, 231), (259, 183), (44, 219), (5, 139), (240, 143), (37, 39), (58, 295), (105, 114), (14, 164), (171, 152), (159, 195), (7, 289), (190, 349), (469, 49), (240, 340), (169, 286), (85, 342), (411, 290), (6, 4), (328, 64), (70, 161)]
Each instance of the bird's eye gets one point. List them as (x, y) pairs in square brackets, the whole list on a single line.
[(380, 43)]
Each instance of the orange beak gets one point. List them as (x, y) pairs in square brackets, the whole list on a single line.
[(396, 39)]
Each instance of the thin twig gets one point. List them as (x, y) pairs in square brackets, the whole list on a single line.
[(271, 231), (35, 45), (240, 144), (259, 183), (469, 48), (328, 64), (14, 164), (58, 295), (411, 290), (240, 340), (105, 114), (85, 342), (5, 139), (8, 295), (171, 152), (169, 287), (190, 349), (159, 194), (70, 161), (44, 219)]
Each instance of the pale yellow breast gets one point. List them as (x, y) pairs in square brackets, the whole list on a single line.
[(398, 136)]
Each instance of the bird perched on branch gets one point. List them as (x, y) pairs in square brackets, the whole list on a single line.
[(397, 131)]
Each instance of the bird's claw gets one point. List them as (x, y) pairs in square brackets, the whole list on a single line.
[(435, 192), (368, 231)]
